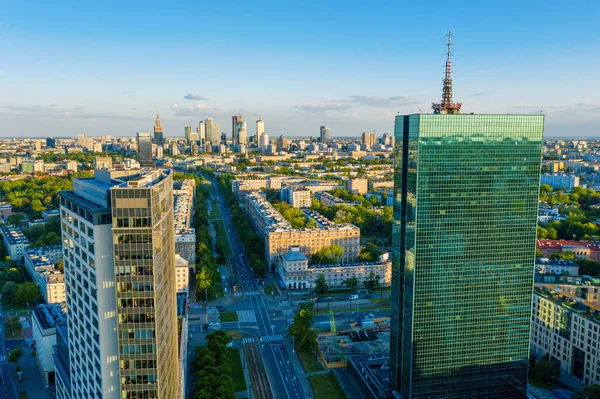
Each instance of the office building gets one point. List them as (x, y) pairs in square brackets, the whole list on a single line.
[(213, 132), (51, 142), (260, 129), (369, 139), (325, 135), (465, 247), (202, 132), (263, 143), (282, 144), (122, 306), (144, 144), (465, 219), (236, 125), (242, 137), (158, 132)]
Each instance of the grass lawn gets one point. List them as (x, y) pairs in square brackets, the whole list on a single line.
[(235, 334), (269, 289), (215, 212), (222, 235), (237, 373), (309, 363), (380, 300), (218, 291), (326, 386), (228, 316)]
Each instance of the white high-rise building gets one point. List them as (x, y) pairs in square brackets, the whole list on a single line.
[(213, 131), (264, 142), (242, 137), (260, 129), (119, 265), (202, 132)]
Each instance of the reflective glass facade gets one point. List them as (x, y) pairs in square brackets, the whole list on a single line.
[(144, 252), (465, 216)]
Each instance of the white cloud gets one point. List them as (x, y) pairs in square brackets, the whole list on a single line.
[(197, 97)]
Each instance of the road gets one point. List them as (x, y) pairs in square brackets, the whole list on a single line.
[(285, 380), (8, 388)]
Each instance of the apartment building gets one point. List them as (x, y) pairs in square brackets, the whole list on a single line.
[(566, 329), (358, 186), (14, 241), (296, 197), (279, 235), (296, 273), (581, 249), (331, 200), (45, 319), (185, 236)]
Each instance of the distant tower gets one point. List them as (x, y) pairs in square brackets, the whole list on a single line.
[(158, 132), (260, 129), (447, 106), (236, 126), (325, 135)]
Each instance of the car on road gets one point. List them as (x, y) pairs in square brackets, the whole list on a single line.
[(368, 296), (353, 296), (282, 347), (329, 299)]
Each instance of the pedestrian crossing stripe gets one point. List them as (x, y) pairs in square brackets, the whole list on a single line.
[(248, 340), (2, 358), (246, 293), (270, 338)]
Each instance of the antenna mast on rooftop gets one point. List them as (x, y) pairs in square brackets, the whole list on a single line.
[(447, 106)]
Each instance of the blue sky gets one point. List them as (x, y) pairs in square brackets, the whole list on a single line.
[(107, 67)]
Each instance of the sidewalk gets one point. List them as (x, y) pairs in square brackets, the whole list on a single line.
[(32, 383)]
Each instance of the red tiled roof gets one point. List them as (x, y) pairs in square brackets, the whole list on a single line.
[(558, 244)]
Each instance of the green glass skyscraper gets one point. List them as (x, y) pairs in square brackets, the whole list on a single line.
[(465, 217)]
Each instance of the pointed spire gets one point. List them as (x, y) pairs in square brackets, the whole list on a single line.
[(447, 106)]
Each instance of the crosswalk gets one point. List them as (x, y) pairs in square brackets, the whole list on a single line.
[(246, 293), (266, 338), (2, 359)]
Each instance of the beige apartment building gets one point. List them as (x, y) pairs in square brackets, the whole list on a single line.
[(296, 273), (279, 235)]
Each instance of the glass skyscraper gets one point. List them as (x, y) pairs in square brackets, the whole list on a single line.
[(465, 217)]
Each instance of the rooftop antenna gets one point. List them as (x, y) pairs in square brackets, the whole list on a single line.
[(447, 106)]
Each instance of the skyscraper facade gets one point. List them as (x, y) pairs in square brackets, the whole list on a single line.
[(369, 139), (213, 131), (236, 126), (158, 132), (260, 129), (202, 132), (187, 133), (144, 144), (51, 142), (120, 274), (465, 217), (325, 135), (242, 137)]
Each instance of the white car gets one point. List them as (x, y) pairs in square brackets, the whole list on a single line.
[(353, 296)]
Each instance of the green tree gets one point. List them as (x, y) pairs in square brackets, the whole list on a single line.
[(372, 282), (588, 267), (15, 218), (546, 370), (309, 339), (538, 253), (370, 253), (589, 392), (9, 292), (14, 356), (13, 326), (564, 255), (203, 284), (301, 324), (27, 293), (351, 283), (321, 286), (327, 255)]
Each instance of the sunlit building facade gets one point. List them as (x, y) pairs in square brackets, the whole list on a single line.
[(465, 217)]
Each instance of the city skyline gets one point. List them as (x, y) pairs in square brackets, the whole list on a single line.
[(350, 79)]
